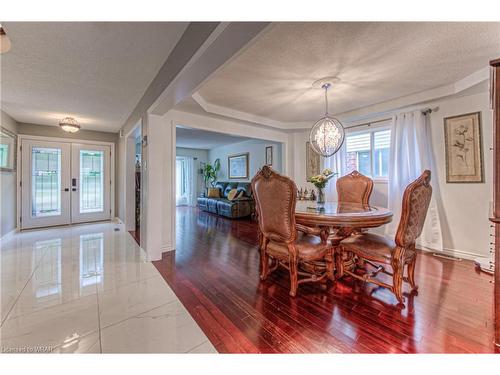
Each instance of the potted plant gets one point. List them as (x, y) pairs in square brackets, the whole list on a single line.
[(320, 182), (210, 173)]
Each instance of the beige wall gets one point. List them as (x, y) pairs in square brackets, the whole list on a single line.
[(8, 182)]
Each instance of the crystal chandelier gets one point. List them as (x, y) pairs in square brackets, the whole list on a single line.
[(327, 134), (69, 124)]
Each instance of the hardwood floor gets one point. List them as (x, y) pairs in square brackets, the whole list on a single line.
[(215, 273)]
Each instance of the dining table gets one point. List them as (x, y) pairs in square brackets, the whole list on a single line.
[(338, 220)]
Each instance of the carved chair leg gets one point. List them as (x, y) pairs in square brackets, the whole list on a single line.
[(411, 273), (264, 261), (294, 278), (397, 278)]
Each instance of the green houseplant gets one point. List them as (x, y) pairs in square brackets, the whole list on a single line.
[(210, 173)]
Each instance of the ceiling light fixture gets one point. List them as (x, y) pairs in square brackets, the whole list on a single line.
[(69, 124), (4, 41), (327, 134)]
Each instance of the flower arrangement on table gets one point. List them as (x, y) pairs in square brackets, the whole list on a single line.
[(320, 182)]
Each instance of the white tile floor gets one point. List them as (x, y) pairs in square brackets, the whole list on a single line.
[(89, 289)]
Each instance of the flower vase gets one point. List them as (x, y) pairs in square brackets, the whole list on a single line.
[(320, 199)]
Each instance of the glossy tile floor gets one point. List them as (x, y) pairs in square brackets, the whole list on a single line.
[(89, 289)]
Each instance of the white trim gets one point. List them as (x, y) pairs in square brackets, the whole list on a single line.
[(452, 252), (22, 137), (7, 236)]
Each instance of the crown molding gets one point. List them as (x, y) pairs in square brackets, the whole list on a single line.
[(356, 115)]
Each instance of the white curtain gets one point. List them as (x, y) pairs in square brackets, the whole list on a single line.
[(337, 164), (185, 194), (410, 155)]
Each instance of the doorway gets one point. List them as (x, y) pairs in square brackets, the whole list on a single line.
[(64, 183)]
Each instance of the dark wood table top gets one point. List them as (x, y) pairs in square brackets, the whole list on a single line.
[(347, 215)]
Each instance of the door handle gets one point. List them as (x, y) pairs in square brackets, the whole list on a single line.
[(73, 189), (66, 189)]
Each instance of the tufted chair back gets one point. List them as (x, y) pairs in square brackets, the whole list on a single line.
[(275, 197), (354, 188), (416, 200)]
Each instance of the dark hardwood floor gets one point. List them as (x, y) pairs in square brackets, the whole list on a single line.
[(215, 273)]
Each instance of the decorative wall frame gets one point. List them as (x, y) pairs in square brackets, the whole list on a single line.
[(8, 150), (463, 148), (312, 162), (238, 166), (269, 155)]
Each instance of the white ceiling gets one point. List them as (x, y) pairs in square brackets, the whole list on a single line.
[(93, 71), (375, 62), (201, 139)]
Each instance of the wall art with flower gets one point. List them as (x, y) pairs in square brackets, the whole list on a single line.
[(464, 151)]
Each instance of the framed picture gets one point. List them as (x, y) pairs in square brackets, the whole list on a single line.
[(269, 155), (463, 148), (237, 166), (8, 150), (312, 162)]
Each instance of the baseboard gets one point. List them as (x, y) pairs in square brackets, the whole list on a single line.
[(7, 236), (168, 247), (454, 253)]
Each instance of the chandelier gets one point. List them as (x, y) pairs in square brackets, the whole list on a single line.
[(327, 134), (69, 124)]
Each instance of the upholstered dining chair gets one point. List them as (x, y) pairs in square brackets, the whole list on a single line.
[(354, 188), (275, 198), (397, 253)]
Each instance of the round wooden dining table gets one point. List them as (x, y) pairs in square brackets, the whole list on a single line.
[(337, 221), (341, 215)]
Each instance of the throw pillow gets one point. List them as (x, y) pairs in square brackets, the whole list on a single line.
[(233, 194), (213, 193)]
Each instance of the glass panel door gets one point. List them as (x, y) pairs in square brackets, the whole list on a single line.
[(90, 183), (45, 175)]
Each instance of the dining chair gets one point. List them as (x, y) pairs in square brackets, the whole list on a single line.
[(275, 198), (354, 188), (398, 252)]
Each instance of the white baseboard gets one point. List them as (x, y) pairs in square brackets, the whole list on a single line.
[(7, 236), (455, 253), (167, 247)]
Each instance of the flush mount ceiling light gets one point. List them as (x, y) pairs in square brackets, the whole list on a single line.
[(69, 124), (4, 41), (327, 134)]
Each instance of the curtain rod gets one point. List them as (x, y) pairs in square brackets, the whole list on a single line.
[(425, 111)]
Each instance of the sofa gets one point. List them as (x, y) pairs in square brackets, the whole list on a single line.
[(240, 207)]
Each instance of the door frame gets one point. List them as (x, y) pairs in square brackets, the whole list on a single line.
[(22, 137)]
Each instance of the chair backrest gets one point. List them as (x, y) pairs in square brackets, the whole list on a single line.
[(275, 198), (354, 188), (416, 200)]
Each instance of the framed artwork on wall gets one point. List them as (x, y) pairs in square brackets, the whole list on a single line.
[(237, 166), (463, 148), (312, 162), (269, 155)]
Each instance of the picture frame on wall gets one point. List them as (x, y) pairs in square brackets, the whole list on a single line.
[(312, 162), (238, 166), (269, 155), (463, 148)]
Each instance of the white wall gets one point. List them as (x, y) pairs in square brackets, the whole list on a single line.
[(465, 207), (257, 156), (8, 181), (201, 157)]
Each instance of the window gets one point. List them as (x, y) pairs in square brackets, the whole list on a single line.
[(368, 153), (180, 180)]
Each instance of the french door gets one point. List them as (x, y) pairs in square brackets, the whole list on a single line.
[(64, 183)]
